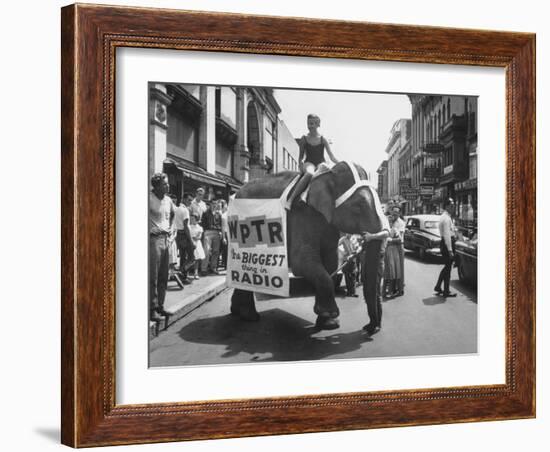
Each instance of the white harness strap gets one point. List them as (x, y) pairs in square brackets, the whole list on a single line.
[(357, 183), (284, 195)]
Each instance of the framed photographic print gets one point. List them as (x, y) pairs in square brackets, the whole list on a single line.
[(281, 225)]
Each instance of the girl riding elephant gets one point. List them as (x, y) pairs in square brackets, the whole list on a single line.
[(312, 154)]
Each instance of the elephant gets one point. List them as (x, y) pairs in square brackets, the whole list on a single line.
[(313, 231)]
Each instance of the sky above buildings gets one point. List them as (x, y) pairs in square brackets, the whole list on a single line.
[(357, 124)]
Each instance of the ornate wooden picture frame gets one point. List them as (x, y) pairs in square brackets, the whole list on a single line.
[(90, 37)]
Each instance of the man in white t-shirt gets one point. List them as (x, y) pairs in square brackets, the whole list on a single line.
[(448, 236), (161, 215), (198, 206)]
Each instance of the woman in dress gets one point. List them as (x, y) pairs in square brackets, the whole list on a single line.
[(195, 230), (393, 274), (312, 154)]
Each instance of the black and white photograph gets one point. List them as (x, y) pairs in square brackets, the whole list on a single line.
[(291, 224), (260, 225)]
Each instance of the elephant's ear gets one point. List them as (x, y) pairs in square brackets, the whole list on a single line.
[(321, 195)]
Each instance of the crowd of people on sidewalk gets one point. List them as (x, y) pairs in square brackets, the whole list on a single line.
[(187, 239), (201, 236)]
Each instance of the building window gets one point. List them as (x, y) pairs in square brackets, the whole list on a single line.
[(270, 138), (182, 136), (226, 134), (194, 90), (226, 105)]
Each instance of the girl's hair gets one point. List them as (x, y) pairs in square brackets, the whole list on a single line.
[(314, 116)]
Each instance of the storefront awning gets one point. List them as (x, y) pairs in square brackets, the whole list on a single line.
[(231, 181), (196, 173)]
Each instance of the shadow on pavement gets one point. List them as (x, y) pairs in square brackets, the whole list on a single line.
[(279, 334), (429, 259), (464, 289), (433, 301), (299, 287)]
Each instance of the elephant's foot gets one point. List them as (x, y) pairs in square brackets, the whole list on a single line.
[(323, 312), (371, 328), (317, 308), (243, 306), (327, 323), (248, 315)]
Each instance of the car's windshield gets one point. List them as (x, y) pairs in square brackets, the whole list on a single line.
[(431, 224)]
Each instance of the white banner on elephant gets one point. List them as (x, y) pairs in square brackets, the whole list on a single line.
[(257, 256)]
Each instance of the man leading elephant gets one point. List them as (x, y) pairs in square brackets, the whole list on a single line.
[(372, 274), (339, 200)]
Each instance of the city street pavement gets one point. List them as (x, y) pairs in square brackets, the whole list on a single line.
[(417, 323)]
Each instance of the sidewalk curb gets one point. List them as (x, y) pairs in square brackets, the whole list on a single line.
[(185, 306)]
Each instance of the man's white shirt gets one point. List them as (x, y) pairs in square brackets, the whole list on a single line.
[(446, 229), (181, 214), (160, 212)]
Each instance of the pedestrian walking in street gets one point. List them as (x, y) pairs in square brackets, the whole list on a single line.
[(394, 265), (212, 225), (448, 236), (161, 214), (312, 154), (196, 232)]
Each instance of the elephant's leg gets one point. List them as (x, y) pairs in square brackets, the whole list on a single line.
[(372, 273), (329, 259), (325, 305), (244, 306)]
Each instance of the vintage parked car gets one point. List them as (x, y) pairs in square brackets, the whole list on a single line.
[(466, 259), (422, 234)]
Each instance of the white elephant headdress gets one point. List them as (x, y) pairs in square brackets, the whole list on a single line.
[(317, 195)]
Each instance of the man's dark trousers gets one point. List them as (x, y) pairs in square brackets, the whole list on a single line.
[(445, 274), (185, 248), (373, 255), (158, 271)]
